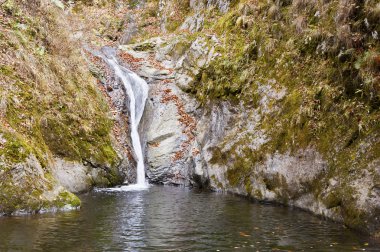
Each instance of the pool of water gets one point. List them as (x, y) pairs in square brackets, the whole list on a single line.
[(176, 219)]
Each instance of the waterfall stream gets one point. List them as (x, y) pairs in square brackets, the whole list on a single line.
[(137, 91)]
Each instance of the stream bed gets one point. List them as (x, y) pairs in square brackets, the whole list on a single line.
[(177, 219)]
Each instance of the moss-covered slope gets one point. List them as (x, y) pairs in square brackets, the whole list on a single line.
[(50, 105)]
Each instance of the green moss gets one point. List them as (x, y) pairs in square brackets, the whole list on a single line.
[(15, 149), (277, 183), (73, 134), (52, 106), (65, 198), (271, 183), (75, 142), (6, 70), (332, 200), (331, 102), (181, 47), (248, 185), (108, 154), (22, 196), (354, 216), (227, 22), (114, 177), (217, 182), (218, 157), (11, 8), (144, 47), (173, 25), (241, 170), (59, 138)]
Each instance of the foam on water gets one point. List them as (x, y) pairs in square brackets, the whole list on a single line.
[(125, 188), (137, 91)]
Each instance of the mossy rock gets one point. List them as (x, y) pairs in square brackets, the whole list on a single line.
[(13, 148), (79, 143), (67, 198)]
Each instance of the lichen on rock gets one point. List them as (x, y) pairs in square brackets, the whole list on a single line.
[(286, 111)]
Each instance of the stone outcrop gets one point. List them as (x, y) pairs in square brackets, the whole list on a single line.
[(251, 138), (222, 136)]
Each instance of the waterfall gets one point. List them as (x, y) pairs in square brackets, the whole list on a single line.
[(137, 91)]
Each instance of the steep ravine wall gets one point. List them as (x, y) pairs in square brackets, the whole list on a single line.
[(274, 100), (57, 134), (221, 153), (284, 96)]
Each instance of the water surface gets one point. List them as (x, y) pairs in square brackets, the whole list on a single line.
[(176, 219)]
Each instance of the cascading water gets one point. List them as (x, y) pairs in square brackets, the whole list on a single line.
[(137, 91)]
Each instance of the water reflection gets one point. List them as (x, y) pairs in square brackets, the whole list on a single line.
[(176, 219)]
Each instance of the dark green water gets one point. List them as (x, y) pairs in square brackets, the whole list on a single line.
[(176, 219)]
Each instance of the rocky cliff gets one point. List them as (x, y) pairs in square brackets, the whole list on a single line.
[(274, 100), (277, 101)]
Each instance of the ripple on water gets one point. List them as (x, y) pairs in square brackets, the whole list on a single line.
[(176, 219)]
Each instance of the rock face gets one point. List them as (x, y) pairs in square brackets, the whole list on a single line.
[(223, 149), (168, 125), (78, 178), (260, 131), (45, 193)]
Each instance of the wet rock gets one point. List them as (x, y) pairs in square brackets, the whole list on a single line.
[(26, 188), (73, 176), (168, 125)]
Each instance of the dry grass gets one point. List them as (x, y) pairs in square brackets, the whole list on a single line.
[(46, 82), (300, 24)]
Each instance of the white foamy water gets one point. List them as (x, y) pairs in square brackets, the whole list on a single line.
[(125, 188), (137, 91)]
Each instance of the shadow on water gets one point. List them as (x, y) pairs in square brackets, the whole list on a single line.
[(176, 219)]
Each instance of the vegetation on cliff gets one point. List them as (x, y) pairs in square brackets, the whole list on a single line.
[(322, 56), (319, 64), (326, 55), (49, 102)]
